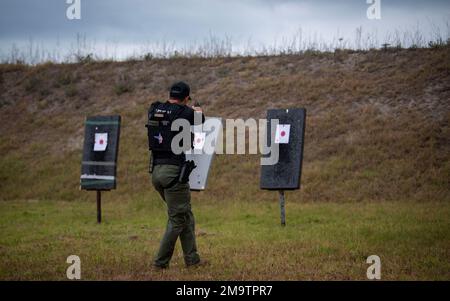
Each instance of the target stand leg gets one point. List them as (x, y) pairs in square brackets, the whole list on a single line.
[(282, 208), (99, 206)]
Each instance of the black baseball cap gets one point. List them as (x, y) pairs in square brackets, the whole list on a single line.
[(180, 90)]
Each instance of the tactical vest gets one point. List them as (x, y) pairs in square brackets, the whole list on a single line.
[(160, 118)]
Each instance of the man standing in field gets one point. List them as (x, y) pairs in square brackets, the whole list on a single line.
[(166, 167)]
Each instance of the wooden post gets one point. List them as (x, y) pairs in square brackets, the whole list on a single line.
[(99, 206), (282, 208)]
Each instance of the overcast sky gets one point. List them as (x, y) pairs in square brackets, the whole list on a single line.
[(128, 24)]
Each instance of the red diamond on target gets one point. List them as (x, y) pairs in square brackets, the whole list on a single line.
[(101, 141), (282, 133), (199, 140)]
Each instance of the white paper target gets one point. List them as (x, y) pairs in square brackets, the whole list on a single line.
[(101, 141), (282, 133), (199, 140)]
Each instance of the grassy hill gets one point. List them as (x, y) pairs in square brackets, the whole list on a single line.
[(375, 179), (377, 126)]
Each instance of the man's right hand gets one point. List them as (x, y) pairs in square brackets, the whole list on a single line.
[(197, 109)]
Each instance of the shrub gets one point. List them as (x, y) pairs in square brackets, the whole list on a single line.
[(65, 79), (84, 59), (123, 85), (71, 91), (32, 84)]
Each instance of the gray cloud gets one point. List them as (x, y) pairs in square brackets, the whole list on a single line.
[(184, 21)]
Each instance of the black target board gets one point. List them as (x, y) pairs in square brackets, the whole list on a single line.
[(101, 146), (289, 136)]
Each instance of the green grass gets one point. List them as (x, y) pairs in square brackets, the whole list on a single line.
[(376, 132), (242, 240)]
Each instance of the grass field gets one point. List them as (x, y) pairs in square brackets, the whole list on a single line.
[(242, 240), (375, 176)]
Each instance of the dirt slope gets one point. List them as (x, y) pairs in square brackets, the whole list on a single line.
[(377, 126)]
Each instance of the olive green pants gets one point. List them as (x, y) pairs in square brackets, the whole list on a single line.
[(180, 218)]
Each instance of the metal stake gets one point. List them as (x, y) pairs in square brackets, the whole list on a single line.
[(282, 208), (99, 206)]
